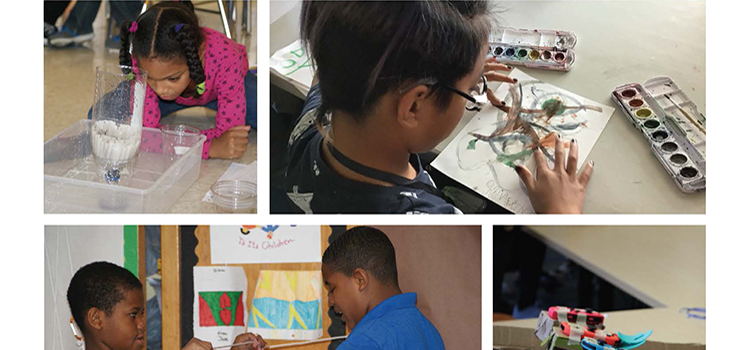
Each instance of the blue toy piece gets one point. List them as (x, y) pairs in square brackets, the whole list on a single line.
[(628, 342), (592, 344)]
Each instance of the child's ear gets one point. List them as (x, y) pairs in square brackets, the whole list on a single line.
[(95, 318), (361, 278), (410, 104)]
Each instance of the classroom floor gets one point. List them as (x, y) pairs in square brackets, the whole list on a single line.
[(69, 76)]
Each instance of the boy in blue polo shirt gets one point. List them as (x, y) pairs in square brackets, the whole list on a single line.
[(359, 270)]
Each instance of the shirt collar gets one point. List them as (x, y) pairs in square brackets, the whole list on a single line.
[(399, 301)]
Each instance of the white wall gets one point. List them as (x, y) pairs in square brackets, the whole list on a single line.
[(66, 249)]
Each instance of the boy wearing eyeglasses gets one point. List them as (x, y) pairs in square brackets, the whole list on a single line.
[(393, 80)]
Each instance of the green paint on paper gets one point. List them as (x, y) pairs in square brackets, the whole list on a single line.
[(510, 159), (473, 144)]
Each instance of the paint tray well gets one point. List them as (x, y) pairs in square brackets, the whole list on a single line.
[(545, 49), (72, 185)]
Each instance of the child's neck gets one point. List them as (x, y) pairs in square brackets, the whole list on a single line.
[(382, 295), (369, 143), (94, 344)]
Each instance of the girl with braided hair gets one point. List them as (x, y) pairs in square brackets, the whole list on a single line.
[(189, 65)]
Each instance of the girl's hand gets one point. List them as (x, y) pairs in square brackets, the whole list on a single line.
[(197, 344), (231, 144), (559, 190), (260, 344), (491, 69)]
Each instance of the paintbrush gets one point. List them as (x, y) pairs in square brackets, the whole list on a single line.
[(278, 346), (690, 118)]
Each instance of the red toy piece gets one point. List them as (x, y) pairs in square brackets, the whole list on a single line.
[(593, 318), (609, 338)]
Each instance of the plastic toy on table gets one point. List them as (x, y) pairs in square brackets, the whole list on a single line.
[(581, 329)]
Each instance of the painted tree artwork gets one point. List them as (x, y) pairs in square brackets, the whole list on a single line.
[(484, 153)]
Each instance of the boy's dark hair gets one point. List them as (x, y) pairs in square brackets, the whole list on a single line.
[(101, 285), (168, 30), (366, 248), (363, 50)]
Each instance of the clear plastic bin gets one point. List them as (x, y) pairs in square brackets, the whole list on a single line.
[(72, 183)]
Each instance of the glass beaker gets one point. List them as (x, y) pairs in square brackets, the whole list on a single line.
[(177, 139), (117, 121)]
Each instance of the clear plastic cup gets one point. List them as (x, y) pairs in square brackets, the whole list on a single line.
[(177, 139), (234, 196)]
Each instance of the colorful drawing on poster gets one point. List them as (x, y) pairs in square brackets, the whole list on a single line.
[(496, 139), (219, 303), (221, 309), (287, 305), (250, 244)]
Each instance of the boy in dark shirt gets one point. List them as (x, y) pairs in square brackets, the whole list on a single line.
[(359, 270)]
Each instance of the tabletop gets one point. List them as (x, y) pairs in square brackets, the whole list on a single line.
[(659, 265)]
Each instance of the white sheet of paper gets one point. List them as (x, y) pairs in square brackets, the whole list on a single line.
[(479, 168), (218, 279), (251, 244), (293, 65)]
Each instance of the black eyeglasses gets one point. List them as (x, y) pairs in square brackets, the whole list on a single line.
[(477, 96)]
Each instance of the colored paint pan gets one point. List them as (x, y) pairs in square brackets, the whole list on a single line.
[(635, 103), (655, 115), (537, 48), (659, 135), (651, 123), (629, 93), (643, 113), (678, 158), (669, 147), (688, 172)]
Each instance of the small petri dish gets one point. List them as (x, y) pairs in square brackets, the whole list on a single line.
[(234, 196)]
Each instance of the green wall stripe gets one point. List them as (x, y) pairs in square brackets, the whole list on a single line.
[(130, 235)]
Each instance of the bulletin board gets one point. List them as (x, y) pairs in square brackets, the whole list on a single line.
[(180, 316)]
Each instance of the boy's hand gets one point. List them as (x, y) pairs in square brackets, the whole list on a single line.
[(491, 69), (260, 344), (231, 144), (559, 190), (197, 344)]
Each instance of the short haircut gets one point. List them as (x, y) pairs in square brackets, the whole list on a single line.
[(363, 50), (366, 248), (101, 285)]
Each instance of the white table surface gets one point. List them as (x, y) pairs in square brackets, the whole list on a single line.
[(659, 265)]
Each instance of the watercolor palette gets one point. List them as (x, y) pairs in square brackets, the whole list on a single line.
[(545, 49), (672, 124)]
